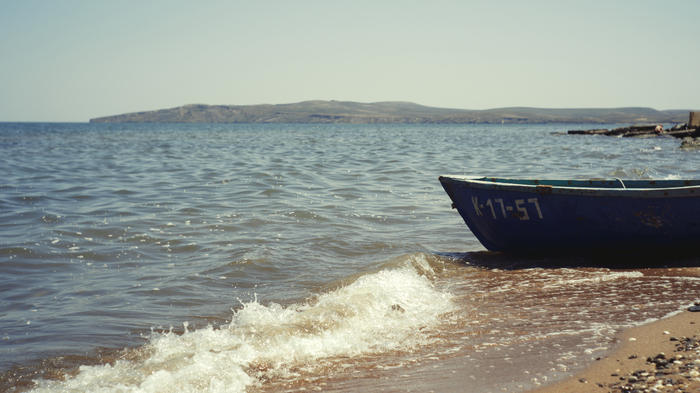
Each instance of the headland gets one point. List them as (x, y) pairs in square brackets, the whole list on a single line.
[(346, 112)]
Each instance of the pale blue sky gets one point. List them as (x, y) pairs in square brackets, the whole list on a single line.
[(72, 60)]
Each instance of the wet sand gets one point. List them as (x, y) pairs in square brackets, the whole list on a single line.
[(671, 340)]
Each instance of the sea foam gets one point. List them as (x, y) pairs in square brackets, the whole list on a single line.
[(390, 310)]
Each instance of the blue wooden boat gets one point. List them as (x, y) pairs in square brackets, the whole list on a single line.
[(579, 216)]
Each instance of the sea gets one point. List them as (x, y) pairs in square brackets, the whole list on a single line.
[(304, 257)]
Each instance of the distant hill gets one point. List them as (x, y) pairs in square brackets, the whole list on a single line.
[(390, 112)]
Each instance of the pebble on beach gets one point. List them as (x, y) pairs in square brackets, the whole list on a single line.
[(678, 372)]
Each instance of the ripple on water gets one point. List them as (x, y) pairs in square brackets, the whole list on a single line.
[(107, 239)]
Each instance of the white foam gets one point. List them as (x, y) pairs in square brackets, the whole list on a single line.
[(594, 278), (385, 311)]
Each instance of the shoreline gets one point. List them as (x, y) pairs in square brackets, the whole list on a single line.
[(671, 343)]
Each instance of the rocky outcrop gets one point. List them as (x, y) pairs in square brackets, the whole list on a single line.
[(689, 132), (690, 143)]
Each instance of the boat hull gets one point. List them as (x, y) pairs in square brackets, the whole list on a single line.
[(592, 216)]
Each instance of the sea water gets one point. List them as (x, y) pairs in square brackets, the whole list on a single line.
[(299, 257)]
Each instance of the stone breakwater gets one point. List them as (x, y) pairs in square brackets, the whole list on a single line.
[(677, 372)]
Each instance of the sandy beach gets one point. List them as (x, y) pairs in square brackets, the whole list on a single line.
[(663, 356)]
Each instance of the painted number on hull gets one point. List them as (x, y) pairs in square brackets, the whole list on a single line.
[(497, 208)]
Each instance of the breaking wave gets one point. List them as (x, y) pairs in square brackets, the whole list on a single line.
[(389, 310)]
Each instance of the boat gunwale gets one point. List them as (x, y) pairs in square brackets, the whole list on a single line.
[(541, 186)]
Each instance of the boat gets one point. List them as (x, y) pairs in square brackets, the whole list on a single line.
[(529, 216)]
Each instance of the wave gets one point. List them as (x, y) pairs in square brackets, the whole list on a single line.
[(393, 309)]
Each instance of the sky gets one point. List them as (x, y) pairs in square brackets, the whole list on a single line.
[(73, 60)]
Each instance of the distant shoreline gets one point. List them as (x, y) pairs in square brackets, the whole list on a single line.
[(345, 112)]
